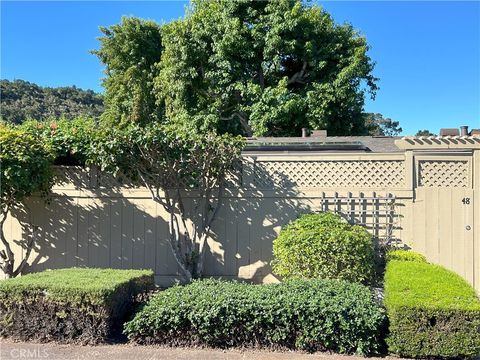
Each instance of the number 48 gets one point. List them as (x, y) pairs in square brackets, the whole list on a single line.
[(466, 201)]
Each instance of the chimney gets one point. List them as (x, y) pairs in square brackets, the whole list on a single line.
[(464, 130), (449, 132), (304, 132), (319, 133)]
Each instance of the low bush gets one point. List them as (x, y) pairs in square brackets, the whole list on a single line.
[(323, 245), (432, 311), (297, 314), (70, 305), (405, 255)]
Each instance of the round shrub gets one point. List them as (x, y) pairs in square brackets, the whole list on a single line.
[(323, 245)]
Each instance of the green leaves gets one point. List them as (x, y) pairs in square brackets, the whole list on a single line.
[(70, 140), (405, 255), (243, 67), (130, 51), (323, 245), (167, 157), (25, 166), (307, 315), (377, 125)]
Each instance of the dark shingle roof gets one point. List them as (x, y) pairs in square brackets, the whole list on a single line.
[(377, 144)]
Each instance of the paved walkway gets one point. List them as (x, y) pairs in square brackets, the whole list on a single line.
[(15, 351)]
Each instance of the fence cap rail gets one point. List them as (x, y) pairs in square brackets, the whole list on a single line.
[(438, 142)]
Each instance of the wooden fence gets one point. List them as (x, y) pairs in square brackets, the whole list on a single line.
[(425, 197)]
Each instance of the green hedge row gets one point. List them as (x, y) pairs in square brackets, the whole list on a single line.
[(405, 255), (297, 314), (432, 312), (70, 305)]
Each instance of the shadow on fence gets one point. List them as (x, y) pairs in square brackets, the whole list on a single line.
[(111, 229)]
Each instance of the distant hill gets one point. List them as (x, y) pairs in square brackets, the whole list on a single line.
[(21, 100)]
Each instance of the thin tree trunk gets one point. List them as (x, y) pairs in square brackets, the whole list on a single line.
[(7, 255), (206, 231)]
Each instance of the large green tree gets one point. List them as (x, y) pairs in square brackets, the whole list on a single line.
[(248, 67), (130, 51)]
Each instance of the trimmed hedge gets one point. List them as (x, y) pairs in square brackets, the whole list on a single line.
[(405, 255), (70, 305), (432, 311), (297, 314), (323, 245)]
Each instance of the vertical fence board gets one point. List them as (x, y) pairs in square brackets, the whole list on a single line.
[(116, 209), (121, 228), (127, 233), (138, 244)]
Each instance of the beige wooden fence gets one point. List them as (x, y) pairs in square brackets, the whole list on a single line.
[(425, 197)]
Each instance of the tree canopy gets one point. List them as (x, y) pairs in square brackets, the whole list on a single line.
[(424, 133), (244, 67), (21, 100), (377, 125), (131, 52)]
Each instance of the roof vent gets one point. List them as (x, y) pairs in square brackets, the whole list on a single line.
[(449, 132), (464, 130)]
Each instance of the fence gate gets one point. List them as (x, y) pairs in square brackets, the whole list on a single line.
[(443, 211)]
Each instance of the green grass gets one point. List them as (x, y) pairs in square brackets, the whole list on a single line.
[(74, 285), (429, 286)]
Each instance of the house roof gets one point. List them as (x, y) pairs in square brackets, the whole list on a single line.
[(376, 144)]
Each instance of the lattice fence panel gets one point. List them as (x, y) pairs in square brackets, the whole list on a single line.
[(378, 214), (233, 179), (330, 174), (443, 173)]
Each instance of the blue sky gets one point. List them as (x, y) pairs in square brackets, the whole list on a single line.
[(427, 53)]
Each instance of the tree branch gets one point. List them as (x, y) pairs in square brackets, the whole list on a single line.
[(298, 77)]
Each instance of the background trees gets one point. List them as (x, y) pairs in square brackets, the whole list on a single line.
[(377, 125), (424, 133), (263, 68), (22, 100), (25, 168)]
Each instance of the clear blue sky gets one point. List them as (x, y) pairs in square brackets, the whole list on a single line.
[(427, 53)]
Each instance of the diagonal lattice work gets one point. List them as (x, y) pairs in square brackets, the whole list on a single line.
[(233, 179), (330, 174), (443, 173)]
